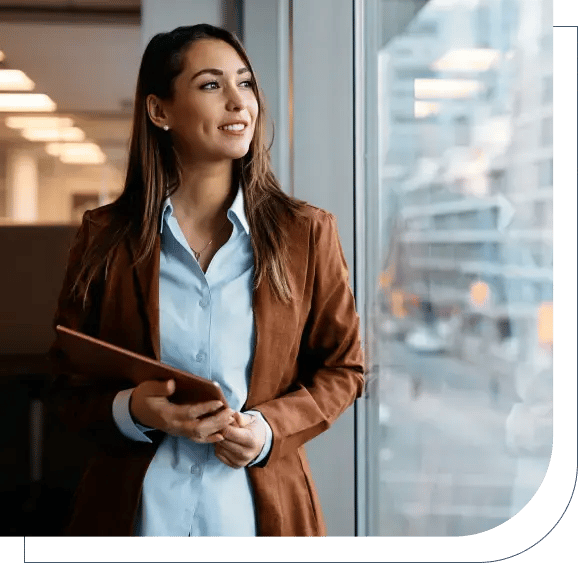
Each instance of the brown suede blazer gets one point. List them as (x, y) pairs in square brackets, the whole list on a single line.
[(307, 369)]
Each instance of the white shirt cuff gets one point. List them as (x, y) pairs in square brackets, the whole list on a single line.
[(123, 419), (268, 439)]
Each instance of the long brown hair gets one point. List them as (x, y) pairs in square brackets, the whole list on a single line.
[(153, 173)]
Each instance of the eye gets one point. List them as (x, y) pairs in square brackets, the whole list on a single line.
[(247, 83), (210, 85)]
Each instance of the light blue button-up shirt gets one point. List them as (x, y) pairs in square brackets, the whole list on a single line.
[(207, 328)]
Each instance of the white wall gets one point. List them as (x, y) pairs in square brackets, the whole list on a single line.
[(323, 175), (165, 15), (266, 38)]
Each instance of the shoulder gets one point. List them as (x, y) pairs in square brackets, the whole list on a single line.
[(97, 227), (313, 219), (100, 216), (313, 237), (102, 222), (317, 214)]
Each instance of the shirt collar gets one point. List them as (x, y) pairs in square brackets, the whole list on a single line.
[(237, 210)]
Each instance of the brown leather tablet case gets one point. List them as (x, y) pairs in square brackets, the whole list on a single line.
[(96, 358)]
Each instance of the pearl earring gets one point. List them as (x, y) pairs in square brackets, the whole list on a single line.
[(166, 127)]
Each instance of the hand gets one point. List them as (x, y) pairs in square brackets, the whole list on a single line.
[(243, 441), (149, 405)]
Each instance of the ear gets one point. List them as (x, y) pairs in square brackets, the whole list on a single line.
[(155, 109)]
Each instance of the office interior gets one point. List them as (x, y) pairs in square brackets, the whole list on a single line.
[(425, 127)]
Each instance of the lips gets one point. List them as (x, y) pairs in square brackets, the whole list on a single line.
[(234, 126)]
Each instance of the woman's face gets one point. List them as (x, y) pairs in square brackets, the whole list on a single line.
[(213, 111)]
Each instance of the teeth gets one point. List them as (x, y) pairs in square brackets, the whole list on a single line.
[(234, 127)]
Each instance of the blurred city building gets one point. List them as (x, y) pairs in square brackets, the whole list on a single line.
[(465, 288)]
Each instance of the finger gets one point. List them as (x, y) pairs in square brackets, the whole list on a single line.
[(231, 447), (206, 408), (187, 413), (227, 458), (169, 387), (224, 460), (214, 438), (198, 430), (243, 419), (195, 436), (153, 388), (201, 430), (241, 436), (215, 422), (237, 452)]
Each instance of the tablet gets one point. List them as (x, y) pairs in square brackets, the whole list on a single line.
[(96, 358)]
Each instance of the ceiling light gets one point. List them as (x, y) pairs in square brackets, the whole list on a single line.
[(474, 60), (54, 149), (445, 88), (55, 134), (40, 121), (11, 79), (77, 153), (1, 56), (26, 102), (88, 158)]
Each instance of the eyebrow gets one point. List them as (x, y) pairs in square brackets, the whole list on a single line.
[(218, 72)]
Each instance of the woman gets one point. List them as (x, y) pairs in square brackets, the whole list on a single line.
[(204, 263)]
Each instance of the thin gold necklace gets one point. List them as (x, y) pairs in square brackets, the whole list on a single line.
[(196, 254)]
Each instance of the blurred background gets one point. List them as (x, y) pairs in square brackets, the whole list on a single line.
[(460, 270), (426, 128)]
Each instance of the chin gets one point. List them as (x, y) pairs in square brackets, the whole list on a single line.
[(236, 154)]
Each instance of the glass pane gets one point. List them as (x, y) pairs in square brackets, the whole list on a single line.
[(459, 230)]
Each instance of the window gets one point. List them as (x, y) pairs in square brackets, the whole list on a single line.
[(462, 129), (547, 86), (458, 281), (410, 73), (545, 173), (424, 27), (546, 131), (482, 26), (498, 181)]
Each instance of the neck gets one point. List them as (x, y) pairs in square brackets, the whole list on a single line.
[(205, 193)]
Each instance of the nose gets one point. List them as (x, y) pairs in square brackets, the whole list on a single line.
[(235, 100)]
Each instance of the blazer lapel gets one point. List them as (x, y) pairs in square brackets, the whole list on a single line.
[(147, 279), (261, 311), (275, 323)]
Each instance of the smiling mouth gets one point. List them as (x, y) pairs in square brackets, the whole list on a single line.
[(234, 127)]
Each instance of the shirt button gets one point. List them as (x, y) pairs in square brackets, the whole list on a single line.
[(195, 469), (200, 356), (203, 303)]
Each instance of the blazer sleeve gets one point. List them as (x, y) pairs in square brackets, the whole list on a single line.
[(84, 405), (330, 361)]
